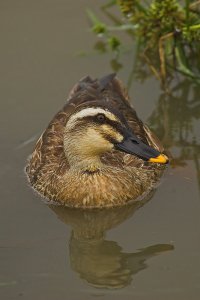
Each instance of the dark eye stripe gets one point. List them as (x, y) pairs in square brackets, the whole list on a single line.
[(95, 119), (116, 125), (83, 122)]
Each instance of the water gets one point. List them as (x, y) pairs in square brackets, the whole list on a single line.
[(152, 252)]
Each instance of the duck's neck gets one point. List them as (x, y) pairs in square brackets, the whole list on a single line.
[(86, 164), (81, 155), (83, 162)]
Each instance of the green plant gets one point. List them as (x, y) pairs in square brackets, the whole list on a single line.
[(167, 33)]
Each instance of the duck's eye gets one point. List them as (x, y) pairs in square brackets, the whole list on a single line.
[(101, 118)]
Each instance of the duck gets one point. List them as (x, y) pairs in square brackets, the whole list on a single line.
[(96, 152)]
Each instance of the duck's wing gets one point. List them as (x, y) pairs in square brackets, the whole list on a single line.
[(48, 154)]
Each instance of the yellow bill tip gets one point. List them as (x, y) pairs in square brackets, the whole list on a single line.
[(161, 159)]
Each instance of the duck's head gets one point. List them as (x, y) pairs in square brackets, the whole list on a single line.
[(94, 129)]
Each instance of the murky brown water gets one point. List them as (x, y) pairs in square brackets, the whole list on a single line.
[(148, 253)]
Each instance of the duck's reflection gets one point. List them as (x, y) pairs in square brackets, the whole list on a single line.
[(100, 262)]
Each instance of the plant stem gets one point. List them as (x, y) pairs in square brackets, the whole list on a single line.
[(194, 27), (187, 12)]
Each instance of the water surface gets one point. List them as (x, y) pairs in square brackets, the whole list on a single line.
[(148, 252)]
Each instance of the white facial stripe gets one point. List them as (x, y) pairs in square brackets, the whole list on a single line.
[(88, 112)]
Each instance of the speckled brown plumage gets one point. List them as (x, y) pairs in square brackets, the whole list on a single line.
[(125, 177)]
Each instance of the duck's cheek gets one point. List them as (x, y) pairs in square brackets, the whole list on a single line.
[(93, 143)]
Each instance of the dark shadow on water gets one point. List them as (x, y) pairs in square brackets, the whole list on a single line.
[(102, 263)]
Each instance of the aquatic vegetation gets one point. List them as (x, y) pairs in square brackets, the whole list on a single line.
[(175, 120), (167, 34)]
